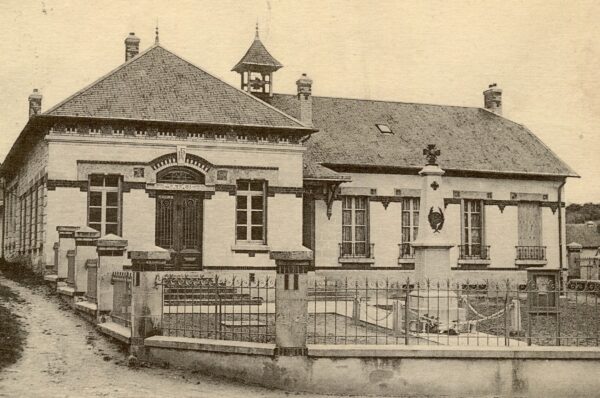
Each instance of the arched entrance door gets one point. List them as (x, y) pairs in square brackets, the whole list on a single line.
[(179, 217)]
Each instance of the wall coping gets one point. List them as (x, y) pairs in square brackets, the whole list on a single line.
[(449, 352), (226, 346)]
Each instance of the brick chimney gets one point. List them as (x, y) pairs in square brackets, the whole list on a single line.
[(304, 85), (132, 46), (492, 99), (35, 103)]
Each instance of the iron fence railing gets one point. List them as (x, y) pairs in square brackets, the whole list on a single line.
[(406, 251), (92, 276), (357, 250), (474, 252), (71, 268), (121, 312), (464, 314), (531, 252), (219, 308)]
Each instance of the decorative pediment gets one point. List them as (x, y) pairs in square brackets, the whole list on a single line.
[(171, 159)]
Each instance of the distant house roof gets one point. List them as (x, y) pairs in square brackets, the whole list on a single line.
[(257, 55), (587, 236), (158, 85), (471, 139)]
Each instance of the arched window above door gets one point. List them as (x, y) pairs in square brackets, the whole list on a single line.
[(180, 175)]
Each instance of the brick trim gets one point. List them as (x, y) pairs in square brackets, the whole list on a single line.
[(52, 184)]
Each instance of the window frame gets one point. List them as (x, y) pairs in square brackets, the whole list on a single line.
[(104, 190), (249, 225), (466, 238), (353, 225), (413, 215)]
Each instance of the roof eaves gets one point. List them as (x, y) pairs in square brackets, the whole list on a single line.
[(298, 128)]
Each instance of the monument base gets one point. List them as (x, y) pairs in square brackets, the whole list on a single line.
[(432, 262), (435, 311)]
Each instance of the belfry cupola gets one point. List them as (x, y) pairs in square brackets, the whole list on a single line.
[(256, 70)]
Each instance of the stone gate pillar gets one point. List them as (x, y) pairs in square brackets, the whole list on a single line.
[(66, 242), (111, 257), (146, 294), (85, 249), (291, 305)]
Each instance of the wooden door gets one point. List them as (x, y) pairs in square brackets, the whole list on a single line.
[(179, 228)]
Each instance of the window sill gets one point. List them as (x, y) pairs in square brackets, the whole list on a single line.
[(474, 264), (356, 260), (405, 260), (530, 263), (250, 248)]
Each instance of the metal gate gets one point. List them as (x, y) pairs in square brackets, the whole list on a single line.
[(179, 228)]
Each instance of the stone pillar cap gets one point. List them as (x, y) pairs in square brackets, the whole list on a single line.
[(67, 228), (291, 253), (432, 170), (574, 246), (87, 233), (149, 252), (112, 241)]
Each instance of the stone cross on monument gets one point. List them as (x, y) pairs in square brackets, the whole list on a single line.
[(432, 246)]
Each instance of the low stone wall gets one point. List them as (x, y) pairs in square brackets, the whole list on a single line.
[(392, 370)]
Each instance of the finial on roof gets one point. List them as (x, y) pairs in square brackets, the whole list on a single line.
[(156, 32), (256, 36)]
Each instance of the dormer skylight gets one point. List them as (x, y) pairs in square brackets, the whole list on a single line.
[(384, 128)]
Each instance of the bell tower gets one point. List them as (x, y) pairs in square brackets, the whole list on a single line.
[(256, 70)]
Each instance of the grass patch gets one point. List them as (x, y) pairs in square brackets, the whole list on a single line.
[(20, 273), (12, 332)]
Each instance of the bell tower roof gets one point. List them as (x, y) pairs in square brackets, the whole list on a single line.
[(257, 57)]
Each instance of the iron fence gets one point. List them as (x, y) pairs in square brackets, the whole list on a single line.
[(92, 276), (458, 314), (531, 252), (219, 308), (121, 312)]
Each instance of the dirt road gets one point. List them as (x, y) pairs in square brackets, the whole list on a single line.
[(65, 356)]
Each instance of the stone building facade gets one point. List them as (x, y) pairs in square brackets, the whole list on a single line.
[(163, 153)]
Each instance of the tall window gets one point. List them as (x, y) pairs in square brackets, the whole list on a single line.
[(530, 232), (104, 204), (410, 224), (251, 211), (472, 237), (355, 221)]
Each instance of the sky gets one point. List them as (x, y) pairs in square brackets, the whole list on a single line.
[(545, 56)]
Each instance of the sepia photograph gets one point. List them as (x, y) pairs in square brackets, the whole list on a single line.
[(317, 198)]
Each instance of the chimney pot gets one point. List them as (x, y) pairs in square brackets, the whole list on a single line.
[(492, 99), (35, 103), (132, 46), (304, 85)]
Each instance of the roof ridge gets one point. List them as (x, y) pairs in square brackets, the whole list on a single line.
[(102, 78), (387, 101)]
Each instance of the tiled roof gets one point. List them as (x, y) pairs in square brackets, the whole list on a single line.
[(258, 54), (159, 85), (471, 139), (587, 236)]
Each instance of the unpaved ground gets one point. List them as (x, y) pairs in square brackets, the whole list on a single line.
[(64, 356)]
